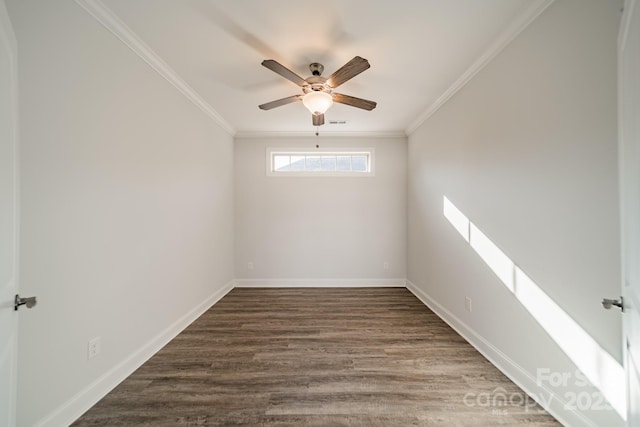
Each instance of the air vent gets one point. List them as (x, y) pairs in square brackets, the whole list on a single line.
[(337, 122)]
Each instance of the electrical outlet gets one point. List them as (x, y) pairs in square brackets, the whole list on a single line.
[(385, 265), (467, 304), (93, 348), (250, 265)]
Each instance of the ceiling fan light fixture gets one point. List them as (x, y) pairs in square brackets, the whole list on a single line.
[(318, 102), (318, 91)]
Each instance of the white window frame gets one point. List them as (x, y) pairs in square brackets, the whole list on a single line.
[(368, 152)]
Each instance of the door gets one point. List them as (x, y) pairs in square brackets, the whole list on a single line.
[(629, 152), (8, 219)]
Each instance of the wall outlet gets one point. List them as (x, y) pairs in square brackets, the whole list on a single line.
[(93, 348), (467, 304), (250, 265), (385, 265)]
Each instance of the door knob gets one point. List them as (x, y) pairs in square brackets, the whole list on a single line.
[(608, 303), (29, 302)]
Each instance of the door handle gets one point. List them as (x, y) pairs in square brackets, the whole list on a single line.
[(608, 303), (28, 301)]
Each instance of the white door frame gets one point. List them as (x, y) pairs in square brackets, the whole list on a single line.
[(9, 220), (629, 164)]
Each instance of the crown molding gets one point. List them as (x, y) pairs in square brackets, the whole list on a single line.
[(321, 134), (505, 38), (117, 27)]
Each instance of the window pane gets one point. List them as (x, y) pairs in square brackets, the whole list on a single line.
[(340, 162), (344, 163), (313, 163), (359, 163), (297, 163), (281, 163), (328, 163)]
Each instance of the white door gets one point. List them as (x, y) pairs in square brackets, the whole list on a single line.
[(8, 219), (629, 151)]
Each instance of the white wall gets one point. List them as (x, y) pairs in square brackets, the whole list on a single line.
[(128, 202), (127, 209), (527, 150), (316, 230)]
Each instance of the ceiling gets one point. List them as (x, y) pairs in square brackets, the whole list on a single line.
[(419, 51)]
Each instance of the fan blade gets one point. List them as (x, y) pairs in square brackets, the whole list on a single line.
[(280, 102), (348, 71), (278, 68), (318, 119), (354, 102)]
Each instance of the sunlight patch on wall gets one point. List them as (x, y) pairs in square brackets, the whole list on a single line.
[(497, 261), (457, 219), (598, 366)]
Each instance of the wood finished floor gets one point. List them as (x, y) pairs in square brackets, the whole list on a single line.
[(317, 357)]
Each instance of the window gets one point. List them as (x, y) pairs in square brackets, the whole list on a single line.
[(327, 162)]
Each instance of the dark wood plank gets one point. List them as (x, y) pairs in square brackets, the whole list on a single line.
[(315, 357)]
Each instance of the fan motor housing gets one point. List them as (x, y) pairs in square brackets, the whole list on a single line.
[(316, 83)]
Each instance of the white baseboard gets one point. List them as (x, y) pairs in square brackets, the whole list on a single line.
[(90, 395), (319, 283), (522, 378)]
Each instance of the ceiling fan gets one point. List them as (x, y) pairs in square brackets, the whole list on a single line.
[(318, 93)]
